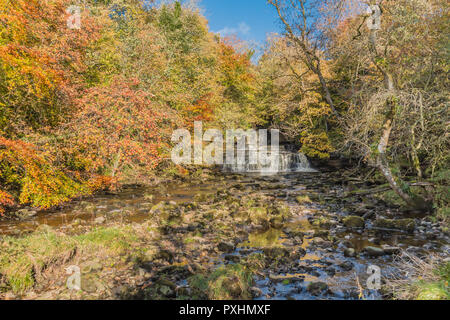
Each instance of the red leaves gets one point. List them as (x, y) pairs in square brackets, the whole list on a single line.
[(117, 127)]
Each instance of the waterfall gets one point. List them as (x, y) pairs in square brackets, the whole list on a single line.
[(284, 162)]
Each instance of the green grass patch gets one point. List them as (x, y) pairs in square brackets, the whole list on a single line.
[(226, 283), (23, 259)]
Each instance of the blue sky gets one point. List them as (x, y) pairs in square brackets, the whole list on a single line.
[(250, 20)]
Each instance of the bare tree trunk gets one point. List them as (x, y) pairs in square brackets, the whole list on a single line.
[(311, 57), (412, 201), (382, 162)]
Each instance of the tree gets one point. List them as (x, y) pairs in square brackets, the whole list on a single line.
[(393, 83), (292, 99), (41, 63), (302, 28)]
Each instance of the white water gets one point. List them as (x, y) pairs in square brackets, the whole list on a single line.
[(285, 162)]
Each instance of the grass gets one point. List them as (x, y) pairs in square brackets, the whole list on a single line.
[(303, 199), (423, 279), (23, 260), (225, 283)]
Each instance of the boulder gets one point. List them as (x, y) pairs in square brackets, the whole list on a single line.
[(407, 225), (226, 247), (391, 250), (374, 251), (353, 222), (349, 252)]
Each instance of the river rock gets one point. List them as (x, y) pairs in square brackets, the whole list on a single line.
[(166, 291), (232, 286), (158, 208), (407, 225), (349, 252), (346, 266), (255, 292), (321, 233), (374, 251), (353, 222), (391, 250), (274, 252), (317, 288), (258, 215), (303, 199), (280, 209), (100, 220), (26, 213), (276, 222), (232, 258), (226, 247), (290, 278), (330, 271)]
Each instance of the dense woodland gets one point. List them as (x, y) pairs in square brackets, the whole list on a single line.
[(89, 109), (87, 116)]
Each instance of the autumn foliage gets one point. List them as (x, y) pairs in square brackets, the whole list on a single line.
[(92, 108), (117, 128), (24, 168), (41, 63)]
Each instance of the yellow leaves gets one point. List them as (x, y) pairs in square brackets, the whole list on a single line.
[(316, 144), (41, 184)]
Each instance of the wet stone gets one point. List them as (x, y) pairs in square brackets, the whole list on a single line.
[(346, 266), (317, 288), (349, 252), (232, 258), (226, 247), (374, 251), (353, 222)]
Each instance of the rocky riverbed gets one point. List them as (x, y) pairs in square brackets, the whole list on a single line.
[(216, 236)]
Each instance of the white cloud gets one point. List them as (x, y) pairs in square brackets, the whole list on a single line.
[(242, 29)]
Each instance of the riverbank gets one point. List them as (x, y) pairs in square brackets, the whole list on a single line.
[(218, 236)]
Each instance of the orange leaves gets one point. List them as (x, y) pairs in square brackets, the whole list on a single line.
[(117, 128), (234, 65), (202, 110), (98, 182), (38, 182), (6, 200), (41, 62)]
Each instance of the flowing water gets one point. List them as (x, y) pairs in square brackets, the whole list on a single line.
[(324, 258), (278, 162)]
